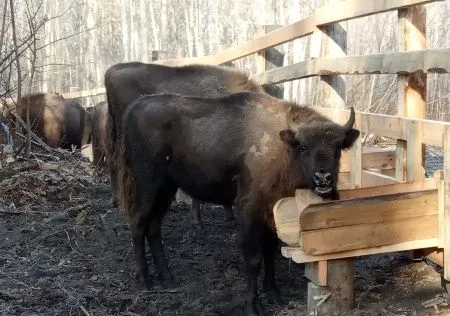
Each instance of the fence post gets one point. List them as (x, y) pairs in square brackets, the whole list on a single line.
[(269, 59), (411, 91), (335, 294)]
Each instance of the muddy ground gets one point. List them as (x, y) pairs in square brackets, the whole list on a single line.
[(64, 251)]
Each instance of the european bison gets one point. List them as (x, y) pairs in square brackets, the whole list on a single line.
[(59, 122), (125, 82), (99, 117), (249, 149)]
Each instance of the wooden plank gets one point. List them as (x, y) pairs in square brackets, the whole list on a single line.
[(440, 182), (431, 60), (426, 184), (400, 160), (369, 210), (382, 159), (446, 145), (414, 152), (317, 272), (356, 157), (373, 179), (338, 239), (391, 126), (298, 256)]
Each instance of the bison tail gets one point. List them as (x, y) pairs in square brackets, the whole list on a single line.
[(125, 180)]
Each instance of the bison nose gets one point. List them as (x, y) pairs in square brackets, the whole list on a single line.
[(322, 178)]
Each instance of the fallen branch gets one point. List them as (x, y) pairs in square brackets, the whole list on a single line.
[(85, 311), (33, 135)]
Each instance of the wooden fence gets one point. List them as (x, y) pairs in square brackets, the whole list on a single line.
[(411, 64)]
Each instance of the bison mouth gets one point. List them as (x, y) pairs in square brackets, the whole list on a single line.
[(323, 191)]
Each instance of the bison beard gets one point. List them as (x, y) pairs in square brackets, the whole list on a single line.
[(249, 149), (125, 82)]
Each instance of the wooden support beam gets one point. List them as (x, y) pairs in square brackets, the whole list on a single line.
[(440, 182), (446, 145), (356, 157), (268, 59), (298, 256), (317, 272), (400, 160), (338, 294), (415, 152), (412, 87), (337, 297)]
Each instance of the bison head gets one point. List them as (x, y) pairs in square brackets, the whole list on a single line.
[(316, 144)]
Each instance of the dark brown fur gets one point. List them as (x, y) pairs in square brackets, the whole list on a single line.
[(127, 81), (59, 122), (249, 149), (99, 117)]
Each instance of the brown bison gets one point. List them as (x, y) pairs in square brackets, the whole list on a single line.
[(247, 149), (59, 122), (125, 82), (99, 117)]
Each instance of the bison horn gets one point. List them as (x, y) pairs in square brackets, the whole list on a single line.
[(351, 120), (292, 119)]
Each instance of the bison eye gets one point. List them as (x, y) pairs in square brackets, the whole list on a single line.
[(302, 148)]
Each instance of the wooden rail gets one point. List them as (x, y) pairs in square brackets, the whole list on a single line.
[(337, 12)]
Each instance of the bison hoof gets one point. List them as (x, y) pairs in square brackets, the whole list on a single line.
[(168, 280), (273, 293), (255, 308), (113, 202), (143, 280), (274, 297)]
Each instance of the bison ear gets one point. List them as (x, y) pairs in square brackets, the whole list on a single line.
[(288, 137), (350, 137)]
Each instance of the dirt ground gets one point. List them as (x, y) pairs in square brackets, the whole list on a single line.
[(64, 251)]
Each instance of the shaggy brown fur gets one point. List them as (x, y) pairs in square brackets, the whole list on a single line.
[(99, 117), (59, 122), (127, 81), (246, 148)]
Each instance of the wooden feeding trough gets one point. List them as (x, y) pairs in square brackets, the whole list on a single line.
[(365, 221)]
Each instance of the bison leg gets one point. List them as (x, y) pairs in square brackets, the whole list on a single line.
[(138, 229), (113, 180), (154, 233), (195, 214), (252, 230), (229, 215), (270, 243)]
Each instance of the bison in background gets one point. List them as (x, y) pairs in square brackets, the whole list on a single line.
[(250, 149), (125, 82), (59, 122), (99, 117)]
